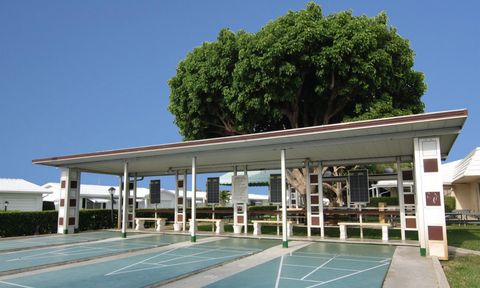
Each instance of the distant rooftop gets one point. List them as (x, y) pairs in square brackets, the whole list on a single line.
[(21, 186)]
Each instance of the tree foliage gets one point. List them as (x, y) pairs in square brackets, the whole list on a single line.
[(301, 69)]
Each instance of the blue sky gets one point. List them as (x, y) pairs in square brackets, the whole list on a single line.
[(76, 75)]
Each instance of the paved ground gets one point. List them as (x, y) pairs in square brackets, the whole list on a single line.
[(409, 269), (320, 264), (20, 243), (171, 260), (146, 269), (28, 259)]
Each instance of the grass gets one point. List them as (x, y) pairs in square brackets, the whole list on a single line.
[(462, 271), (467, 237)]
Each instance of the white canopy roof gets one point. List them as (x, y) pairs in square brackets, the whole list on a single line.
[(341, 143), (21, 186)]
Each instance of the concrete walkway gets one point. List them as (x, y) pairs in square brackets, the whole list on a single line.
[(409, 269), (461, 251)]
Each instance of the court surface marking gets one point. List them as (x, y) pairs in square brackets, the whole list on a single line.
[(320, 265), (146, 269)]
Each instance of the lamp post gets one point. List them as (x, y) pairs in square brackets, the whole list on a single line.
[(6, 205), (111, 190)]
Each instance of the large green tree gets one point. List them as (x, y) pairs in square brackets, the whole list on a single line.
[(301, 69)]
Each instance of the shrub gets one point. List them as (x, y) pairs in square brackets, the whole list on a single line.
[(93, 219), (28, 223), (450, 203), (389, 201), (48, 206)]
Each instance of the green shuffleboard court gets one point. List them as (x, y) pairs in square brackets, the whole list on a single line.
[(146, 269), (57, 239), (319, 265), (29, 259)]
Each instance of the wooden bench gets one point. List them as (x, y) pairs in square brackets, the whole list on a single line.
[(219, 224), (343, 228), (159, 223), (257, 226)]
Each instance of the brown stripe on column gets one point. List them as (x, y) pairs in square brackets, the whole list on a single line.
[(435, 233), (60, 221), (71, 221), (62, 202), (180, 218), (240, 219), (314, 199), (62, 184), (432, 198), (411, 223), (315, 221), (409, 198), (73, 202), (430, 165)]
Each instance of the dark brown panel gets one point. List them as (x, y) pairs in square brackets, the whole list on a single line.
[(180, 184), (239, 219), (180, 201), (60, 221), (314, 199), (409, 198), (71, 221), (62, 202), (73, 184), (130, 217), (430, 165), (315, 221), (435, 233), (62, 184), (130, 201), (433, 198), (411, 223), (314, 209), (73, 202), (179, 218), (313, 178), (407, 174)]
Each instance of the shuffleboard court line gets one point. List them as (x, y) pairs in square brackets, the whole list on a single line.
[(15, 285)]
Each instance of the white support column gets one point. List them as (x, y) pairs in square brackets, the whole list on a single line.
[(401, 199), (284, 200), (309, 200), (184, 201), (245, 208), (134, 208), (126, 197), (68, 212), (119, 203), (193, 222), (432, 231), (177, 226), (320, 194)]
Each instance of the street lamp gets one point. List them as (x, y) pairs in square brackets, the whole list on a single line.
[(6, 205), (111, 190)]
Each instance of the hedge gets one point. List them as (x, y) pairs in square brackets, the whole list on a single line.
[(389, 201), (18, 223), (450, 203)]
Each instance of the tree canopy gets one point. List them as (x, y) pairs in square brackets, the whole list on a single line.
[(299, 70)]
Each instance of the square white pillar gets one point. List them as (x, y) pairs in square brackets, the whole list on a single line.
[(68, 210), (432, 232)]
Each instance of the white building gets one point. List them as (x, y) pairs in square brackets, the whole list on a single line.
[(461, 179), (21, 195), (98, 197)]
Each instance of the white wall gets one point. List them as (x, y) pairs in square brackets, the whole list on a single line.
[(21, 202), (467, 196)]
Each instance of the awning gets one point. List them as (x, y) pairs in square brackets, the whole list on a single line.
[(343, 143)]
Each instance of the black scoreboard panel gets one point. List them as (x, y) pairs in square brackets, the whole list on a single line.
[(275, 188), (213, 190), (155, 191), (358, 182)]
